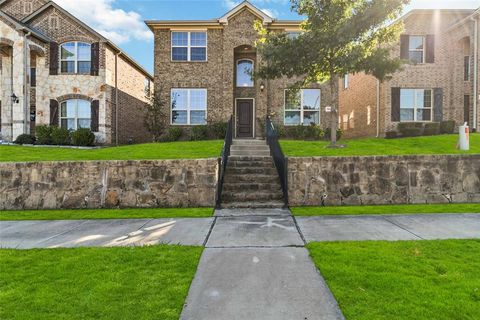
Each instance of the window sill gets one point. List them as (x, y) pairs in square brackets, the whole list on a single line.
[(175, 61)]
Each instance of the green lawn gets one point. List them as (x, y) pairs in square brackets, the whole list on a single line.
[(443, 144), (96, 283), (388, 209), (403, 280), (74, 214), (170, 150)]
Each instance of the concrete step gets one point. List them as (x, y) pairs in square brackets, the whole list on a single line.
[(250, 170), (252, 178), (253, 204), (251, 153), (250, 158), (254, 164), (248, 186), (235, 196), (248, 148), (244, 142)]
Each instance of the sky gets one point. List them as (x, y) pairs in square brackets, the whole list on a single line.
[(122, 21)]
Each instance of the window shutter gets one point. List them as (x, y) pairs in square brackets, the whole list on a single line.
[(95, 65), (404, 46), (438, 104), (94, 115), (395, 104), (54, 58), (430, 47), (54, 117)]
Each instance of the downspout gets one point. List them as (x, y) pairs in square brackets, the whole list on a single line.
[(116, 97), (26, 95), (11, 99), (475, 75), (378, 108)]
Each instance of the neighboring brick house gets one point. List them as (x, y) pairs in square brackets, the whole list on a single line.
[(440, 83), (59, 71), (202, 71)]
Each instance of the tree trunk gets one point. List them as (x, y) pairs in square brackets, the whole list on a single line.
[(334, 113)]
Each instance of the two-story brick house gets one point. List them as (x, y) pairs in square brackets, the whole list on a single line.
[(203, 72), (440, 82), (56, 70)]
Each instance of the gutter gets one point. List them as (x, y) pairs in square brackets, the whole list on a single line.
[(475, 75), (116, 97)]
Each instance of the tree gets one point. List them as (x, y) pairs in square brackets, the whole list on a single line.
[(155, 117), (338, 37)]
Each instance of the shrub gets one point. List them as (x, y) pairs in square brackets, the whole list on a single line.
[(298, 132), (219, 130), (431, 129), (391, 134), (447, 127), (44, 134), (83, 137), (410, 129), (25, 139), (327, 136), (60, 136), (199, 133), (281, 131), (313, 132), (173, 134)]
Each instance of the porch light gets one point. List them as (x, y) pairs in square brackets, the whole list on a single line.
[(14, 98), (262, 86)]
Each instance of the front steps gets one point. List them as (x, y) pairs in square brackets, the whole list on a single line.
[(251, 179)]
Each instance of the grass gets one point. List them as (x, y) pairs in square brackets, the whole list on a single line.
[(148, 151), (387, 209), (96, 283), (402, 280), (74, 214), (442, 144)]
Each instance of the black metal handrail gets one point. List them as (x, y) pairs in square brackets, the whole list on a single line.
[(223, 160), (278, 156)]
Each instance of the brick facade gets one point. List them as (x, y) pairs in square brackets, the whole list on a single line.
[(119, 80), (453, 32)]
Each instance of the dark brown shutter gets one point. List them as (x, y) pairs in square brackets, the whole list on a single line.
[(94, 115), (404, 46), (54, 58), (438, 104), (95, 66), (54, 117), (395, 104), (430, 47)]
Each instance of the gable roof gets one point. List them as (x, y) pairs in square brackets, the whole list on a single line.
[(246, 5), (83, 24), (467, 18), (20, 25)]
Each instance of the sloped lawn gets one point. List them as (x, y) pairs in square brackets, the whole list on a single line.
[(442, 144), (96, 283), (403, 280), (148, 151)]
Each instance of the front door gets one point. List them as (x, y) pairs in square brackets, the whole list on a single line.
[(245, 118)]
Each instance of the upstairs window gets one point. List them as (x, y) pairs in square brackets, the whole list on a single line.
[(189, 106), (244, 73), (416, 104), (76, 58), (75, 114), (416, 49), (189, 46), (302, 107)]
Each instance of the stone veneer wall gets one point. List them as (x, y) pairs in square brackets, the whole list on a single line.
[(384, 180), (99, 184)]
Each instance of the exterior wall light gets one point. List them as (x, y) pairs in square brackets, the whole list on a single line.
[(262, 87), (14, 98)]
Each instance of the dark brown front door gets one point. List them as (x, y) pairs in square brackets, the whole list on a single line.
[(245, 118)]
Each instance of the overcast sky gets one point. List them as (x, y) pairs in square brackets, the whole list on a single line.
[(122, 20)]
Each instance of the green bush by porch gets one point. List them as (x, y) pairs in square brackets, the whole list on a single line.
[(96, 283), (402, 280), (442, 144)]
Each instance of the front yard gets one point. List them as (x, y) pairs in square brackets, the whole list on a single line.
[(96, 283), (402, 280)]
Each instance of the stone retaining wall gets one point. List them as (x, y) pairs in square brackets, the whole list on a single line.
[(384, 180), (99, 184)]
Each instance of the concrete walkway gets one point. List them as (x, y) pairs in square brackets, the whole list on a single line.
[(254, 265)]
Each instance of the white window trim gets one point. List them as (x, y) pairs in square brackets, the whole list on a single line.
[(424, 51), (415, 108), (76, 113), (76, 57), (236, 73), (189, 46), (188, 107), (346, 81), (301, 106)]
